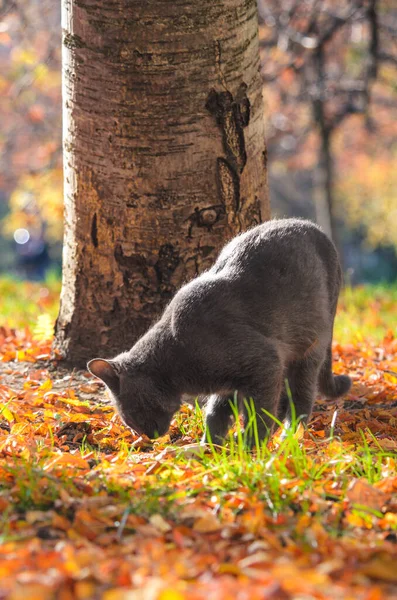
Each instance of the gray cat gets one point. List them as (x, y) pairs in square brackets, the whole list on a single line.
[(264, 312)]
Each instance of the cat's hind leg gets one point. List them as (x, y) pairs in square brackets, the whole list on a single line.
[(332, 386), (302, 376)]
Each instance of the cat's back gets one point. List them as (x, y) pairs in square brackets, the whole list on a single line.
[(280, 272), (283, 272), (279, 245)]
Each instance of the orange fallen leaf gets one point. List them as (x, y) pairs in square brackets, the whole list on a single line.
[(363, 494), (207, 524), (67, 460)]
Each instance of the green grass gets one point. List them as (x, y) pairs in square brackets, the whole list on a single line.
[(366, 312), (280, 477), (284, 481)]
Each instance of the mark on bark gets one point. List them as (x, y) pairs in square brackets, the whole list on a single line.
[(165, 266), (124, 260), (228, 186), (94, 231), (206, 251), (253, 213), (264, 154), (206, 217), (129, 265), (232, 115), (244, 105), (72, 41), (116, 306)]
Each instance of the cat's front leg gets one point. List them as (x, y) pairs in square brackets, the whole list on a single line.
[(260, 406), (259, 383), (218, 413)]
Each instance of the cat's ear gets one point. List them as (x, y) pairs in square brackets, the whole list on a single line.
[(107, 370)]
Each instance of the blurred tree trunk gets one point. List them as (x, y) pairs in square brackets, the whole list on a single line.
[(324, 190), (324, 185), (324, 181), (164, 157)]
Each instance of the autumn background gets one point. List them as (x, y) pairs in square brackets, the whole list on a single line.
[(88, 509), (359, 109)]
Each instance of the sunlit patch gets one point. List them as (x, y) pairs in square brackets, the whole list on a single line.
[(21, 236)]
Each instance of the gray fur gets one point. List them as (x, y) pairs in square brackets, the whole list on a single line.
[(264, 312)]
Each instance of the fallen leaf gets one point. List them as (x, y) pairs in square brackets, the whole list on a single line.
[(363, 494), (207, 524), (381, 567), (159, 523)]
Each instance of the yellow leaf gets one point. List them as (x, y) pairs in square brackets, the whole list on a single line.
[(390, 378), (300, 432), (46, 386), (170, 594), (7, 414), (25, 454)]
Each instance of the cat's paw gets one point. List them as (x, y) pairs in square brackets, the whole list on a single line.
[(343, 384)]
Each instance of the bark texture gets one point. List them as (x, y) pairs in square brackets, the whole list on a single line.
[(164, 157)]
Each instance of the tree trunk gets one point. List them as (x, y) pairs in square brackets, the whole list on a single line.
[(164, 157), (324, 189), (323, 185)]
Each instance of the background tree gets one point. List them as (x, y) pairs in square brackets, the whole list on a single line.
[(323, 62), (164, 157)]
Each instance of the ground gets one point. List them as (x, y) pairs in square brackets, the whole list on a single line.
[(89, 510)]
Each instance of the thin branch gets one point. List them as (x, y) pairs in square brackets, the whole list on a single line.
[(387, 58)]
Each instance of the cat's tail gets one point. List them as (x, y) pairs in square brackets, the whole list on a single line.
[(331, 385)]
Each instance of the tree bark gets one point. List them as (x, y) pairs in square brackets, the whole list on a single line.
[(164, 157)]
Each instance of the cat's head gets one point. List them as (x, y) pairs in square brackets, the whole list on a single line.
[(141, 403)]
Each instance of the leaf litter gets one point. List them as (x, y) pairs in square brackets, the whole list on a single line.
[(90, 510)]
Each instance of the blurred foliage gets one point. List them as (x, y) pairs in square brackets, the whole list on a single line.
[(366, 312), (30, 120), (371, 196), (37, 199), (364, 147), (356, 86), (23, 303)]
